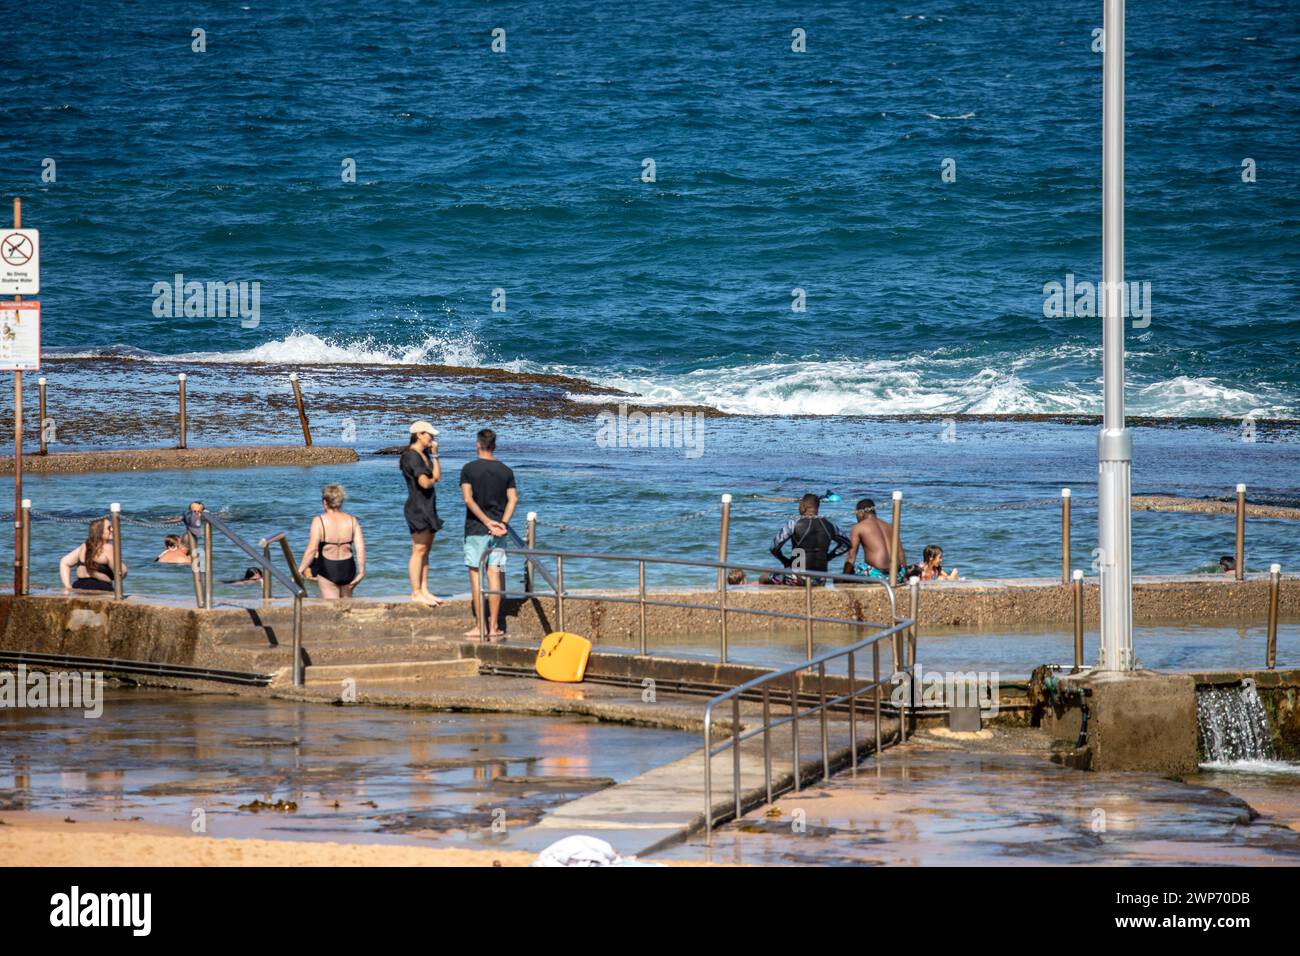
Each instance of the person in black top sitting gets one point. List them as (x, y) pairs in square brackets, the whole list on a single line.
[(422, 470), (814, 543), (93, 560)]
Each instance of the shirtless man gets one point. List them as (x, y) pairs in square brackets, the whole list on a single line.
[(873, 536)]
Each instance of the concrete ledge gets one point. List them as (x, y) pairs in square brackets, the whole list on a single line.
[(166, 459)]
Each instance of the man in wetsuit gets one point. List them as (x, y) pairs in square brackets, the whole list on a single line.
[(873, 536), (814, 543)]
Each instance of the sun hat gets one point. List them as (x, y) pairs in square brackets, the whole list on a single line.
[(422, 426)]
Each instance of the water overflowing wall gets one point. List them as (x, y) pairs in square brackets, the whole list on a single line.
[(1233, 724)]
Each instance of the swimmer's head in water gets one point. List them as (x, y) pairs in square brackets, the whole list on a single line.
[(809, 504), (866, 507), (735, 576), (172, 541), (932, 555), (1227, 563)]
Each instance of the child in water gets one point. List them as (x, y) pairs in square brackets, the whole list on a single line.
[(931, 566)]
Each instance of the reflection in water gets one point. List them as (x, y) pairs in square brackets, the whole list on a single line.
[(356, 773), (928, 803)]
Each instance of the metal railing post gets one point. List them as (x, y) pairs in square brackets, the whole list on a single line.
[(1078, 621), (1241, 532), (875, 679), (180, 384), (194, 569), (530, 542), (895, 538), (853, 715), (297, 640), (40, 385), (794, 724), (913, 611), (207, 564), (722, 612), (821, 694), (559, 591), (1274, 589), (807, 611), (1065, 535), (266, 577), (735, 751), (767, 741), (115, 518), (26, 531), (724, 534), (640, 588), (708, 772)]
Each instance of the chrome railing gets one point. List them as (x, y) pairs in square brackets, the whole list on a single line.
[(282, 538), (560, 594), (269, 570), (905, 629)]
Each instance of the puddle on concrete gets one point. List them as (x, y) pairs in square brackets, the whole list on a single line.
[(356, 774), (932, 804)]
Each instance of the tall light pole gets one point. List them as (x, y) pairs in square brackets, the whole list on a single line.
[(1115, 443)]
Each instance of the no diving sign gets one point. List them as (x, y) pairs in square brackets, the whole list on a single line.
[(20, 262)]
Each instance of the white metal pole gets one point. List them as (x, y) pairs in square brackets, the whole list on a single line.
[(1115, 444)]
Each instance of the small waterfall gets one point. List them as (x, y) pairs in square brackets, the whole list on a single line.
[(1233, 724)]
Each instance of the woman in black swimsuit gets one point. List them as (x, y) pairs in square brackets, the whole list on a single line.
[(422, 470), (336, 552), (93, 560)]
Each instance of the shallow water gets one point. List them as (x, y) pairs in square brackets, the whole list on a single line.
[(932, 806), (1008, 651), (360, 774)]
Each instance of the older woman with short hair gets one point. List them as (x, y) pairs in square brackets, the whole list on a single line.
[(336, 551)]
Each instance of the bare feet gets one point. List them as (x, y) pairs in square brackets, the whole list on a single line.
[(420, 597), (472, 632), (496, 636), (432, 598)]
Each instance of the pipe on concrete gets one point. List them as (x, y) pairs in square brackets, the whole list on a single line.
[(115, 518)]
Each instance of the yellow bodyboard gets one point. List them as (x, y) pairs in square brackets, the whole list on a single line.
[(563, 657)]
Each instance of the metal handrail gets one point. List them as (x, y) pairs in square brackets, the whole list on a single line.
[(560, 594), (298, 591), (265, 544), (792, 673)]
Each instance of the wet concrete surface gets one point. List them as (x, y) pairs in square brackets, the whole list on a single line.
[(353, 774), (996, 800)]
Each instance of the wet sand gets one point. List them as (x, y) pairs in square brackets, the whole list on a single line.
[(28, 839)]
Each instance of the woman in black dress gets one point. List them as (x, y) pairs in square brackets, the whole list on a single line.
[(422, 470)]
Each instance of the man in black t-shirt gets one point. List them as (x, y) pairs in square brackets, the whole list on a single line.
[(488, 488)]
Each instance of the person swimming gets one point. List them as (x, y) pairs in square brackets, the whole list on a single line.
[(175, 550), (93, 560), (931, 566)]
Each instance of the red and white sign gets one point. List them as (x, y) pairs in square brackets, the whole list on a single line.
[(20, 336), (20, 261)]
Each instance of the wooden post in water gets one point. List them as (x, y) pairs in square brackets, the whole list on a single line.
[(1274, 587), (27, 545), (40, 430), (302, 412), (1241, 533), (1078, 622), (115, 517), (724, 533), (894, 538), (18, 442), (180, 384), (1065, 535)]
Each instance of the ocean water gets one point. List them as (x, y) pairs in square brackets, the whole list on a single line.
[(775, 171)]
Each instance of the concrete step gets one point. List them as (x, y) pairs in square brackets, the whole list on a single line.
[(319, 675)]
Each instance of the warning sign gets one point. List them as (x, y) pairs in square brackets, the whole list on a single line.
[(20, 262), (20, 336)]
